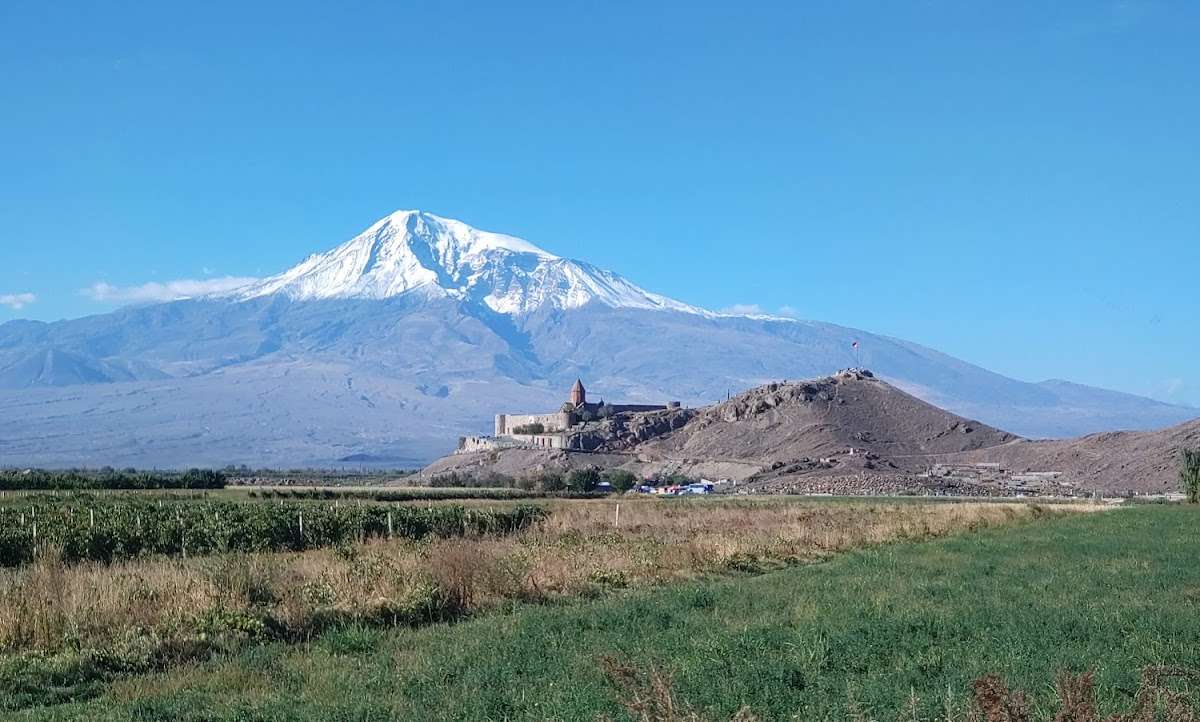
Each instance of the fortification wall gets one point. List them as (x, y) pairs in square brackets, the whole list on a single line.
[(469, 444), (637, 408), (472, 444), (556, 422), (542, 441)]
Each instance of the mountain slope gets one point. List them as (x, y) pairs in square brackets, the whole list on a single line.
[(447, 325)]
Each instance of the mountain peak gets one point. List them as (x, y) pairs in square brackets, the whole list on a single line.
[(411, 250), (423, 225)]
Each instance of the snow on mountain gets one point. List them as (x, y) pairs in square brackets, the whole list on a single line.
[(411, 251)]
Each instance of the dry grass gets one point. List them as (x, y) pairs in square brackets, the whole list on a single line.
[(649, 696), (582, 548), (1155, 701)]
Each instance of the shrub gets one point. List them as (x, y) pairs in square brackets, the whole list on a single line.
[(550, 481), (620, 479), (1189, 474), (583, 479), (534, 428)]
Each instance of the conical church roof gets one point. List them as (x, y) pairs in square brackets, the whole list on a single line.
[(578, 395)]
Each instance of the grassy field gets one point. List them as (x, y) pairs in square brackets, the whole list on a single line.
[(892, 632), (135, 610), (70, 629)]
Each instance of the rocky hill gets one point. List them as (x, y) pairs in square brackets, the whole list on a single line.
[(850, 423), (849, 433), (839, 418)]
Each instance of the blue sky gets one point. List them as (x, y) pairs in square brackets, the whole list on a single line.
[(1013, 183)]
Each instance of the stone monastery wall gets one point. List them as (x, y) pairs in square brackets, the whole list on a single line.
[(553, 423)]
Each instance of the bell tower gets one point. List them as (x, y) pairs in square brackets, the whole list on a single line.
[(578, 394)]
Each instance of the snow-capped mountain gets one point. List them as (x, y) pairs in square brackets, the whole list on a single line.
[(412, 251), (387, 348)]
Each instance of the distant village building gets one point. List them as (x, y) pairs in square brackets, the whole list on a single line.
[(551, 431)]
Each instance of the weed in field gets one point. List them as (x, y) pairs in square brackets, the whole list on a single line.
[(351, 639), (1154, 701), (649, 696)]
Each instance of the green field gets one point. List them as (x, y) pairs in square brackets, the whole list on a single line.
[(892, 632)]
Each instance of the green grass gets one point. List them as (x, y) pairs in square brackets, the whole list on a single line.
[(870, 630)]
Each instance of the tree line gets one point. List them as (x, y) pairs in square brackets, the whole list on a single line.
[(108, 478)]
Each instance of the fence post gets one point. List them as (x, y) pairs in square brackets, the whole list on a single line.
[(389, 518), (300, 516), (91, 518), (617, 517)]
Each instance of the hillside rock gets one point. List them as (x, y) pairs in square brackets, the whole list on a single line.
[(626, 431)]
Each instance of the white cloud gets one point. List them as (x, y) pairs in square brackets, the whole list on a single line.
[(743, 309), (168, 291), (753, 309), (17, 301)]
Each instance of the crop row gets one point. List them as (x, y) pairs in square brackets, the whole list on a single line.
[(104, 530)]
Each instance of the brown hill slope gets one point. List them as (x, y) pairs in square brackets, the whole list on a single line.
[(1117, 462), (798, 424), (851, 409)]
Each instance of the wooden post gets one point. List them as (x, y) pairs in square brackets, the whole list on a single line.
[(300, 517), (617, 517), (91, 518), (389, 518)]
